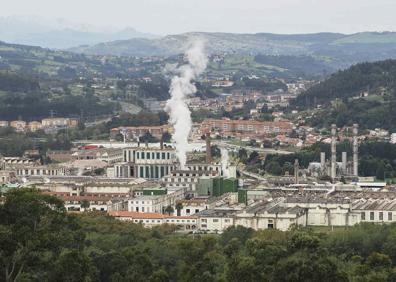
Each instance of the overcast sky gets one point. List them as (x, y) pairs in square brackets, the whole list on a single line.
[(250, 16)]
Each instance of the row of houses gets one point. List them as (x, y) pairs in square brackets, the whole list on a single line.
[(21, 125), (231, 127)]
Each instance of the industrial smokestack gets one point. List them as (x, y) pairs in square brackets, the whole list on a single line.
[(333, 171), (355, 149), (322, 160), (296, 171), (162, 144), (344, 162), (208, 149)]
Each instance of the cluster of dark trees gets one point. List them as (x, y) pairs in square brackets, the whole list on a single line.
[(15, 144), (265, 85), (298, 65), (375, 158), (140, 119), (22, 97), (40, 241), (369, 114), (18, 83)]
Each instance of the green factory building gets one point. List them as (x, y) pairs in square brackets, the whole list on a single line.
[(216, 186)]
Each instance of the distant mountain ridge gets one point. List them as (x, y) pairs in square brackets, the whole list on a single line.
[(342, 49), (59, 34)]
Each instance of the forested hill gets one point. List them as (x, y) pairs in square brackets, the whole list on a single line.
[(365, 94), (373, 77), (15, 82)]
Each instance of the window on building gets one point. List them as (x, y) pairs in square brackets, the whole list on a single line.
[(137, 209), (203, 225), (148, 155), (215, 220), (158, 155), (390, 217), (187, 210), (226, 220), (142, 155), (142, 209), (203, 220), (381, 216), (196, 210), (371, 215), (363, 216), (163, 155)]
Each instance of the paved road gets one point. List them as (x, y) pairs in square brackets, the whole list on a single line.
[(253, 175)]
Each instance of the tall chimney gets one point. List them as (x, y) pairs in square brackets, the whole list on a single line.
[(344, 162), (322, 161), (208, 149), (355, 149), (162, 144), (333, 151), (296, 171)]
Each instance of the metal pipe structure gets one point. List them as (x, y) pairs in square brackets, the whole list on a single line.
[(208, 149), (323, 161), (333, 171), (344, 162), (296, 171), (355, 149)]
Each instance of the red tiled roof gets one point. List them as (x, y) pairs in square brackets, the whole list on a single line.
[(146, 215)]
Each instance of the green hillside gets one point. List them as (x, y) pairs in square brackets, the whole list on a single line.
[(364, 94)]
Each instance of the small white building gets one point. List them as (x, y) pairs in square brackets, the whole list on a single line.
[(215, 220)]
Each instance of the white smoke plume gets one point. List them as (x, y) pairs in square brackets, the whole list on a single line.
[(224, 161), (181, 88)]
